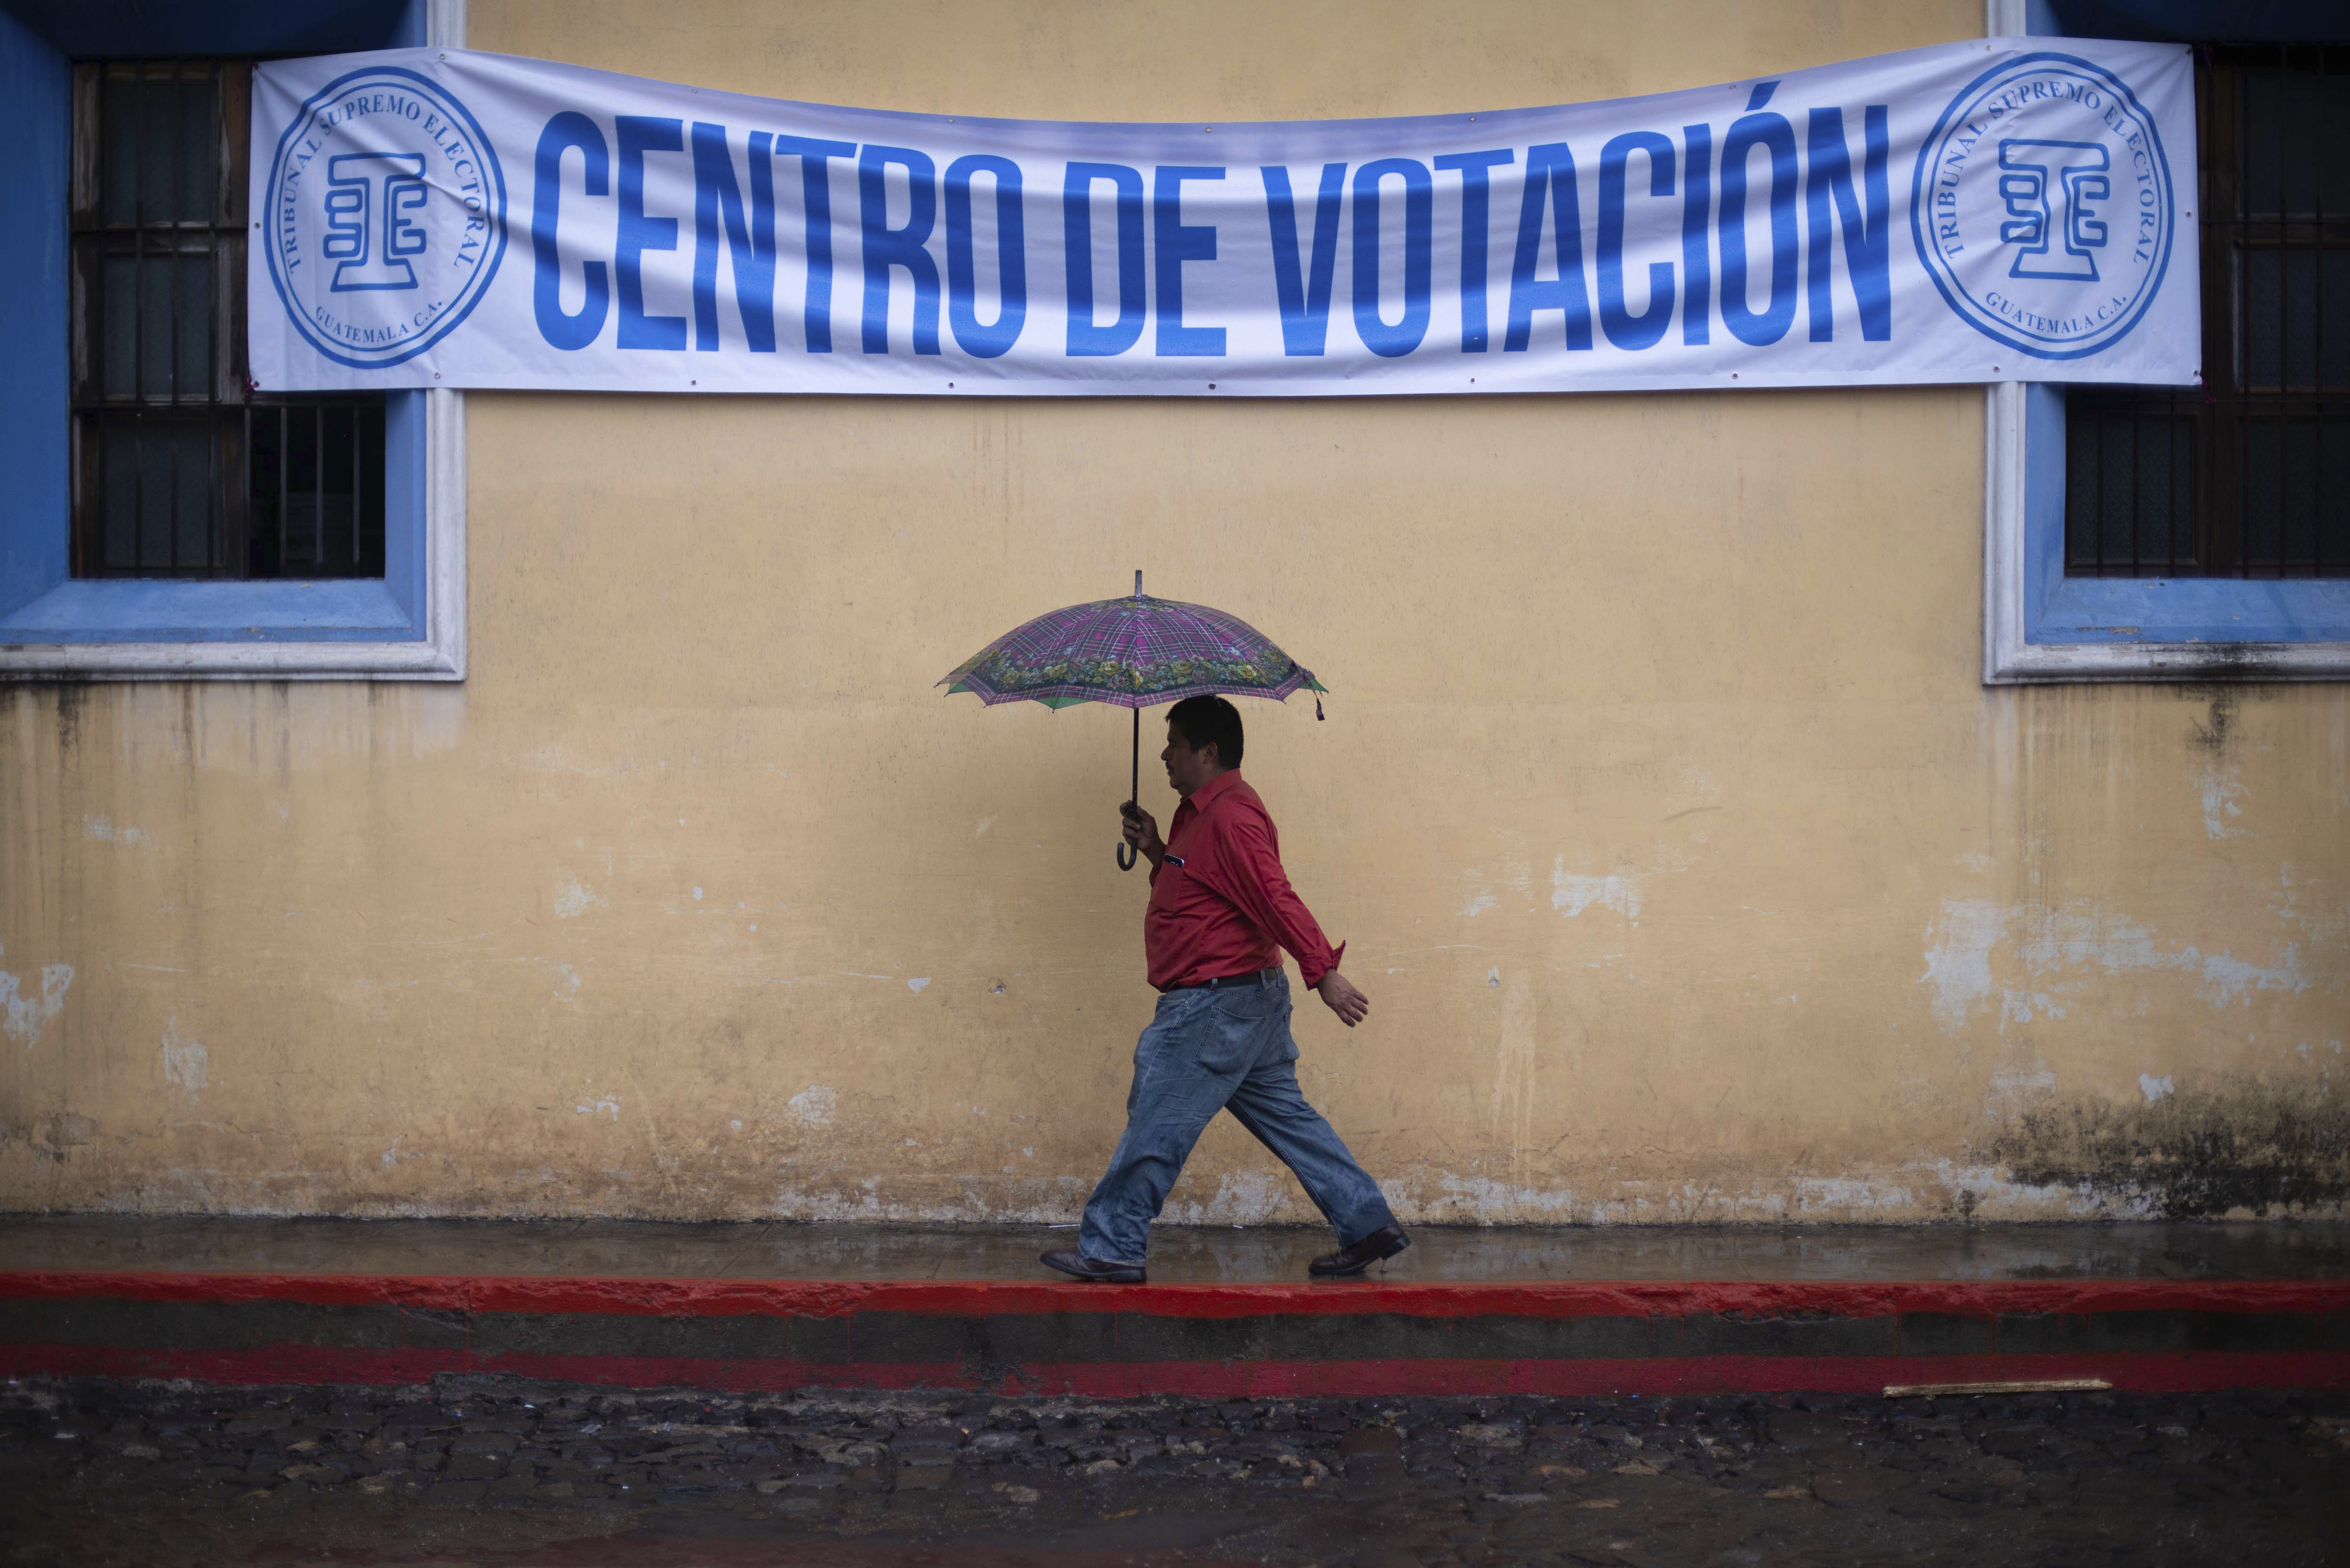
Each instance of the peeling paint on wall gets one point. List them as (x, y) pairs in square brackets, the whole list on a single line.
[(813, 1106), (1958, 961), (1623, 889), (2082, 938), (2217, 779), (58, 1135), (23, 1016), (2226, 978), (2221, 791), (1242, 1197), (574, 898), (185, 1061), (1471, 1197), (1515, 1055), (1571, 894)]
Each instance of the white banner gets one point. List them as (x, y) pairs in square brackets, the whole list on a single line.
[(1976, 211)]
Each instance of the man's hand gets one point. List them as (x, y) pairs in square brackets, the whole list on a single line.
[(1142, 832), (1341, 996)]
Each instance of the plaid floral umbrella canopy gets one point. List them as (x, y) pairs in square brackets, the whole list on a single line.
[(1133, 652)]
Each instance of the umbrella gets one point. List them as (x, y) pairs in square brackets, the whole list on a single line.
[(1134, 652)]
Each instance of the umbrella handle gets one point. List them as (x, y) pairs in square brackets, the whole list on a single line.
[(1127, 853)]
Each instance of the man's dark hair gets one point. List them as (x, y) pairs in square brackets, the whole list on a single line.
[(1202, 718)]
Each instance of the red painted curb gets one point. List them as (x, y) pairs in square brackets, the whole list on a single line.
[(834, 1298)]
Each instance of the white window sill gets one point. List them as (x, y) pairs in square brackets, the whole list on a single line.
[(2142, 629), (352, 630)]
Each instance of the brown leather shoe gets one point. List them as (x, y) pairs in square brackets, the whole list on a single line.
[(1069, 1260), (1384, 1242)]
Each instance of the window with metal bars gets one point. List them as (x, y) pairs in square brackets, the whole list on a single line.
[(2248, 476), (181, 469)]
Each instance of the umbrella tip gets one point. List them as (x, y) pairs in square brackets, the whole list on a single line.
[(1138, 582)]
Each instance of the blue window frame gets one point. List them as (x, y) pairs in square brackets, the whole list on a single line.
[(52, 623), (2123, 610), (2042, 624)]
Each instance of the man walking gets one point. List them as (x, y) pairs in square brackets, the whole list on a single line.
[(1220, 1041)]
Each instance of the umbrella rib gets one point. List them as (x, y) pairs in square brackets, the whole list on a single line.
[(1131, 642)]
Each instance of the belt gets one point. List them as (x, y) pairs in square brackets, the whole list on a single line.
[(1256, 977)]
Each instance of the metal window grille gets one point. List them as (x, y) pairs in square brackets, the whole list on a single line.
[(181, 469), (2249, 476)]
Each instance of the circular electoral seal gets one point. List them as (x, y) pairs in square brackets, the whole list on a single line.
[(2042, 206), (387, 217)]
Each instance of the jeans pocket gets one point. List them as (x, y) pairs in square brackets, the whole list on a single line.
[(1231, 1029)]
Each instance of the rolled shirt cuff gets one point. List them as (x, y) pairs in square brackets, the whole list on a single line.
[(1314, 976)]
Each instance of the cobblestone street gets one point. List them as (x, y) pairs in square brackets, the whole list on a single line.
[(498, 1472)]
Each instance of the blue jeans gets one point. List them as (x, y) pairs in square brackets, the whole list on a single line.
[(1223, 1050)]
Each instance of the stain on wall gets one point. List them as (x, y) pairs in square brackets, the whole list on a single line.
[(2234, 1147)]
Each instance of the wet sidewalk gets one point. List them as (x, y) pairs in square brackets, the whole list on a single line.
[(1227, 1313), (1180, 1255)]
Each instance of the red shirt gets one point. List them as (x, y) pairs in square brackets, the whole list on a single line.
[(1220, 900)]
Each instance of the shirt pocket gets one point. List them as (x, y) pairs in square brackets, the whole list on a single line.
[(1169, 889)]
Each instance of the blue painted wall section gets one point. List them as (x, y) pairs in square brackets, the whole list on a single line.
[(404, 480), (38, 601), (36, 117)]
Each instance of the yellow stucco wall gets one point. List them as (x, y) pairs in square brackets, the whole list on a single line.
[(1692, 873)]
